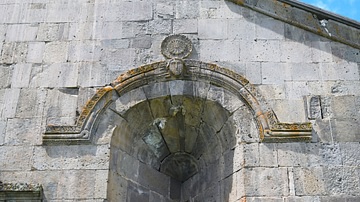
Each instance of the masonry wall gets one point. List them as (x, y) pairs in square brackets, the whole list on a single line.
[(55, 54)]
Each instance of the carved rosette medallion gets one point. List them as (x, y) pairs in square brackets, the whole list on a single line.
[(176, 46)]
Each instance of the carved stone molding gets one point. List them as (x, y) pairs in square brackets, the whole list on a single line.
[(20, 191), (178, 68)]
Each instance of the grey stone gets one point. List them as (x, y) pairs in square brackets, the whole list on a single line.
[(23, 132), (30, 104), (350, 153), (309, 181), (154, 180), (266, 181), (71, 157), (14, 52), (16, 158), (55, 52), (185, 26), (35, 52), (21, 32), (52, 31), (21, 75)]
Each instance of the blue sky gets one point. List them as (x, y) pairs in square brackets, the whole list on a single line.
[(347, 8)]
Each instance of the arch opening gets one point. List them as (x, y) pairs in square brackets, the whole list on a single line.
[(177, 146)]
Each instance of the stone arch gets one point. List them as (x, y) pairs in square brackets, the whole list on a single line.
[(270, 129)]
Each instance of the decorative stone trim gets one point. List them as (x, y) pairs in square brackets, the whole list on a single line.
[(20, 191), (270, 129)]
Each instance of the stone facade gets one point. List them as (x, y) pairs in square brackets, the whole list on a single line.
[(256, 102)]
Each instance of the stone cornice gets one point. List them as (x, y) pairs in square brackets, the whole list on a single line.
[(310, 18)]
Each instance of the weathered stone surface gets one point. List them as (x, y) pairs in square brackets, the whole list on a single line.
[(309, 181), (55, 52), (21, 131), (269, 181), (21, 32), (35, 52), (16, 158), (31, 103), (71, 157)]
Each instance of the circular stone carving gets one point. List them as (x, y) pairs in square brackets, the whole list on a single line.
[(176, 46)]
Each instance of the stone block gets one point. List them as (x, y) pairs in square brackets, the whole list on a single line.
[(10, 13), (141, 42), (187, 9), (291, 154), (241, 29), (33, 12), (117, 187), (295, 52), (253, 72), (120, 57), (21, 32), (60, 105), (296, 89), (14, 52), (340, 71), (269, 29), (55, 52), (332, 154), (342, 180), (251, 155), (260, 50), (350, 153), (55, 75), (343, 53), (275, 91), (266, 182), (323, 130), (116, 43), (135, 29), (5, 76), (154, 180), (160, 26), (217, 30), (23, 131), (21, 75), (125, 165), (185, 26), (164, 10), (85, 157), (92, 74), (16, 158), (268, 155), (216, 50), (108, 30), (295, 107), (35, 52), (31, 103), (52, 31), (10, 100), (129, 11), (346, 130), (309, 181), (3, 28), (321, 51), (136, 192), (81, 30), (80, 51), (304, 72)]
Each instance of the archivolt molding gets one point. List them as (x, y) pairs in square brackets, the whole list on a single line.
[(179, 68)]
